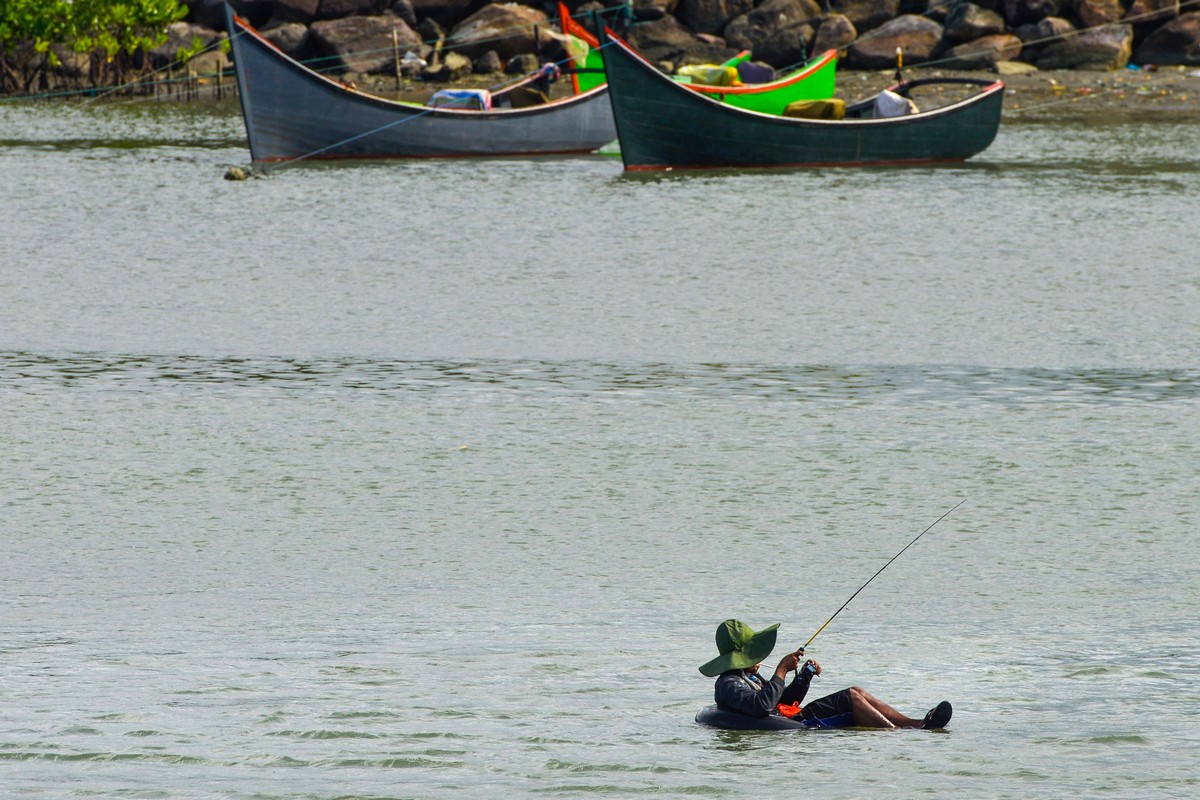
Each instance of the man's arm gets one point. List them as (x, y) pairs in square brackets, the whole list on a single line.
[(795, 693), (733, 693)]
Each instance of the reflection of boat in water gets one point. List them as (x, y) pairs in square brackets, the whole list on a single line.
[(663, 125), (292, 112)]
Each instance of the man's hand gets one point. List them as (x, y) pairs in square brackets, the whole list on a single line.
[(789, 663)]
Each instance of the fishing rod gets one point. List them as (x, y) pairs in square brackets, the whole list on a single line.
[(876, 575)]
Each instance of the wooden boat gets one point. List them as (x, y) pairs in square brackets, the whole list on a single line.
[(293, 112), (663, 125), (813, 81)]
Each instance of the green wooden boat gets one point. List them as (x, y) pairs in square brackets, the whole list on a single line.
[(662, 124), (814, 81)]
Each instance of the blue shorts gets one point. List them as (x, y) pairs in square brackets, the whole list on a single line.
[(831, 711)]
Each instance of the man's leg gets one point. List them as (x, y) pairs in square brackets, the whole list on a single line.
[(871, 712)]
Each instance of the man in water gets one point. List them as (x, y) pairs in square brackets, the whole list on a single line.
[(740, 688)]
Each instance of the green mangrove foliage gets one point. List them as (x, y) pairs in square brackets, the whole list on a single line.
[(101, 41)]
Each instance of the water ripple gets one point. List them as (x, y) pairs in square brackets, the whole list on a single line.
[(35, 373)]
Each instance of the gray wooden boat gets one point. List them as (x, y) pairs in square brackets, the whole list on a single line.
[(292, 112)]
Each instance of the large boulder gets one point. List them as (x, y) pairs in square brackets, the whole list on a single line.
[(1109, 47), (507, 28), (967, 22), (835, 33), (983, 53), (1143, 12), (866, 14), (1036, 36), (301, 11), (446, 13), (666, 40), (361, 44), (1020, 12), (336, 9), (919, 38), (1177, 42), (778, 32), (1092, 13), (648, 10), (710, 16), (290, 37)]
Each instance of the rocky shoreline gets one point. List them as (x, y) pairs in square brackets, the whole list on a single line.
[(1055, 56), (360, 35), (1064, 54)]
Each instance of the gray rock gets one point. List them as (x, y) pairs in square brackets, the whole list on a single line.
[(290, 37), (1177, 42), (336, 9), (522, 64), (710, 16), (431, 30), (1098, 12), (919, 38), (361, 44), (1004, 68), (1150, 12), (982, 53), (867, 14), (453, 67), (507, 28), (447, 13), (1019, 12), (651, 10), (1109, 47), (968, 22), (668, 41), (836, 33), (778, 32), (787, 47), (302, 11), (1037, 36), (488, 63)]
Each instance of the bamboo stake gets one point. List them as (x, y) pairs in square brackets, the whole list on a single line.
[(396, 55)]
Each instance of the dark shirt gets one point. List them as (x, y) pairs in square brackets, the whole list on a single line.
[(735, 691)]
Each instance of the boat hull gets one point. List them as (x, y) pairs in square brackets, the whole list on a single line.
[(292, 112), (663, 126)]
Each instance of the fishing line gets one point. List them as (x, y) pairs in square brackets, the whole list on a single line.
[(876, 575)]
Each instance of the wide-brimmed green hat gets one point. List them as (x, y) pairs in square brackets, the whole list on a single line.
[(740, 647)]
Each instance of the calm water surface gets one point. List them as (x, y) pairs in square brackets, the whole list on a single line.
[(434, 479)]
